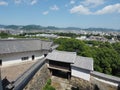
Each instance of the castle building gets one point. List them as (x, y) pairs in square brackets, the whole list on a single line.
[(63, 63), (70, 64), (22, 50)]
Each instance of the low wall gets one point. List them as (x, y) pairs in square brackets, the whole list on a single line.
[(39, 80), (104, 82)]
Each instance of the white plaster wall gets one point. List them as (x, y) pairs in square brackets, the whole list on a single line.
[(39, 57), (13, 58), (105, 81), (80, 73)]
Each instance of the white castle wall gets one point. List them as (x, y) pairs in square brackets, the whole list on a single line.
[(13, 58), (80, 73)]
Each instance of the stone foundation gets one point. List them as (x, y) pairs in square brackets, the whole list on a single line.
[(39, 80), (81, 84)]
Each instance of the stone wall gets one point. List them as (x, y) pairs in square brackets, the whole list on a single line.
[(39, 80), (81, 84)]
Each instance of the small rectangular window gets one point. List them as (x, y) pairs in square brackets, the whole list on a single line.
[(25, 58), (0, 62), (33, 57)]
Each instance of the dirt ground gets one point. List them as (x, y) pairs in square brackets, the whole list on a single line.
[(60, 83), (14, 71)]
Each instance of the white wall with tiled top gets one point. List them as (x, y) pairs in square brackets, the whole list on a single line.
[(8, 59), (80, 73)]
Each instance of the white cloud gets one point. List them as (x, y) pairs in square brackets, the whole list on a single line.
[(28, 2), (33, 2), (55, 8), (80, 10), (72, 2), (93, 3), (17, 1), (115, 8), (45, 12), (109, 9), (3, 3)]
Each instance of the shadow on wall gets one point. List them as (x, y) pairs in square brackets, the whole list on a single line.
[(75, 88), (119, 86), (5, 82), (59, 74), (96, 87)]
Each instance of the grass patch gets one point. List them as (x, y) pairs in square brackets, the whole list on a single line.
[(48, 86)]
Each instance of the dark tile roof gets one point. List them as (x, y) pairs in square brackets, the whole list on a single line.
[(22, 45), (62, 56), (71, 57), (84, 63)]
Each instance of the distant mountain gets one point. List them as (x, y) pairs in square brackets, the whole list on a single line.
[(72, 28), (32, 27), (52, 28), (38, 27), (2, 26), (99, 29), (12, 27)]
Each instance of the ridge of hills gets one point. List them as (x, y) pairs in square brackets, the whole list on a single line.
[(39, 27)]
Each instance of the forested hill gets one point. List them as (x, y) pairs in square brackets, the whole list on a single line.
[(39, 27), (106, 56)]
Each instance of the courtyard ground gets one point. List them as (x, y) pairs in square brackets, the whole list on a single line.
[(14, 71), (60, 83)]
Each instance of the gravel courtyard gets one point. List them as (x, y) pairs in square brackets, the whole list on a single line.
[(14, 71)]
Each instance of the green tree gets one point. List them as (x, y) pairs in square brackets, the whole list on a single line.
[(4, 35)]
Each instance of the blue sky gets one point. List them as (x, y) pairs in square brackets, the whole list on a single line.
[(61, 13)]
